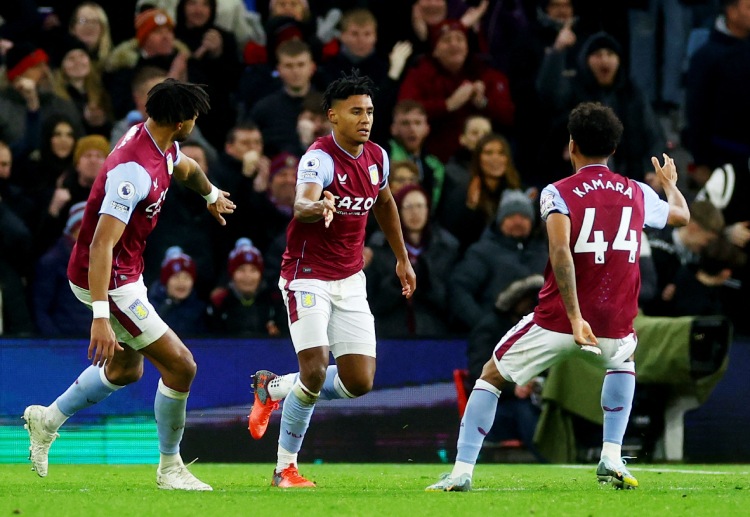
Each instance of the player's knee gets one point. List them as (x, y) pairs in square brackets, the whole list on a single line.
[(124, 375), (358, 387), (313, 377), (491, 374), (184, 367)]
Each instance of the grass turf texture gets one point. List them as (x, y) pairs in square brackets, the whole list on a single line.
[(376, 490)]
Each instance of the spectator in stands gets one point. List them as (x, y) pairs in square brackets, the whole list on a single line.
[(677, 249), (276, 114), (39, 174), (27, 101), (727, 189), (231, 15), (466, 212), (145, 79), (76, 80), (507, 251), (518, 420), (11, 194), (554, 28), (55, 309), (451, 85), (89, 23), (601, 78), (457, 168), (717, 104), (403, 173), (73, 187), (15, 258), (432, 252), (283, 183), (428, 14), (312, 122), (245, 307), (409, 130), (357, 50), (213, 62), (154, 45), (243, 155), (174, 296)]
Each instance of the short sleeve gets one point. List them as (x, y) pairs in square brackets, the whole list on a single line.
[(551, 201), (315, 166), (656, 210), (126, 186), (386, 169)]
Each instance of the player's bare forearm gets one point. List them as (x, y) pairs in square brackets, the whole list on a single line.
[(386, 214), (100, 270), (312, 203), (679, 213), (565, 277), (307, 210), (192, 176)]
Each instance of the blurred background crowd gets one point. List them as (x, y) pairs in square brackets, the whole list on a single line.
[(472, 106)]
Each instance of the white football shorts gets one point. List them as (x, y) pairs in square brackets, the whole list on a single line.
[(527, 350), (331, 313), (134, 320)]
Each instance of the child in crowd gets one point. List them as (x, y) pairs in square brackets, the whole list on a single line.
[(245, 306), (174, 295)]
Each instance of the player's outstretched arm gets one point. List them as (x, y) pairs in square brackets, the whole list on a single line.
[(189, 173), (386, 214), (679, 213), (561, 259), (312, 203)]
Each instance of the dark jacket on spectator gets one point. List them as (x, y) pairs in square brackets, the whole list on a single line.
[(426, 313), (488, 267)]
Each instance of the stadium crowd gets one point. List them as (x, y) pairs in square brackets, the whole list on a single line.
[(472, 104)]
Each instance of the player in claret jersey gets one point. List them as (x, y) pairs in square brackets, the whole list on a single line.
[(590, 296), (105, 274), (340, 178)]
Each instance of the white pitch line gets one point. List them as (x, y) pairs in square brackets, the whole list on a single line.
[(656, 469)]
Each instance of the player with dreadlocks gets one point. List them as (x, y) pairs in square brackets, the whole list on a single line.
[(105, 274)]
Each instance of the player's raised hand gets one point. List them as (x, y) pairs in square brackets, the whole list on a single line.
[(222, 205), (666, 173), (329, 207), (103, 342)]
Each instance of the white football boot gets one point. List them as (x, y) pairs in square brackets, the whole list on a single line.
[(178, 477), (40, 439)]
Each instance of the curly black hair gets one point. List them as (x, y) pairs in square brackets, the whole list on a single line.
[(173, 101), (595, 129), (346, 86)]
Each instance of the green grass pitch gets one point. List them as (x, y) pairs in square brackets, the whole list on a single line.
[(377, 490)]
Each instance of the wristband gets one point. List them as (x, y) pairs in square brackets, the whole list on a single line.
[(212, 196), (101, 309)]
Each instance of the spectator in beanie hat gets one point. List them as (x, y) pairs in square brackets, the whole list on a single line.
[(174, 297), (282, 182), (245, 306)]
